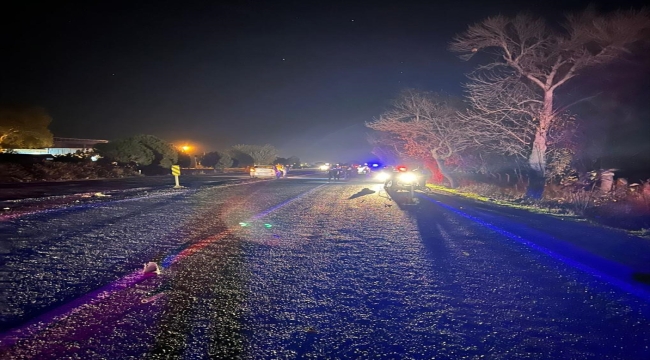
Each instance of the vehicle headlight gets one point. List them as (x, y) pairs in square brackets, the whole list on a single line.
[(324, 167), (382, 176), (407, 178)]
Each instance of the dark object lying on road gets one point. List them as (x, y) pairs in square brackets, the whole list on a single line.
[(641, 277), (364, 191)]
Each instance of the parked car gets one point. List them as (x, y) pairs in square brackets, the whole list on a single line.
[(264, 171)]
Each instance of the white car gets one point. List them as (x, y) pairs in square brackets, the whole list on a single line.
[(264, 171), (363, 169)]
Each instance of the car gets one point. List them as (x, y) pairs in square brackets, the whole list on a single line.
[(401, 179), (382, 175), (264, 171)]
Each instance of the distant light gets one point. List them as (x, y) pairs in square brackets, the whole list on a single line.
[(94, 157), (268, 226), (375, 165), (243, 224)]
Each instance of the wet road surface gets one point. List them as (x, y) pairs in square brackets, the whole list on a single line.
[(306, 269)]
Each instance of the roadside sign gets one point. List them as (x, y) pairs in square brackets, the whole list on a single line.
[(176, 171)]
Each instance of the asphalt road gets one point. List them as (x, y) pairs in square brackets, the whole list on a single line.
[(15, 191), (302, 268)]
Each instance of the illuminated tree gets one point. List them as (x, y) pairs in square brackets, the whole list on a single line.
[(543, 58), (210, 159), (165, 154), (24, 127), (501, 110), (293, 160), (217, 160), (261, 154), (426, 125), (142, 150), (502, 114), (385, 146), (225, 161), (126, 151)]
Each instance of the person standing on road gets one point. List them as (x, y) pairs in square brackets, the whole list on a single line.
[(348, 172)]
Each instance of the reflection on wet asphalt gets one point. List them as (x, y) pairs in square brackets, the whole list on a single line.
[(296, 269)]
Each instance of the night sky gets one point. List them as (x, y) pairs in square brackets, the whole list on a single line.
[(303, 76)]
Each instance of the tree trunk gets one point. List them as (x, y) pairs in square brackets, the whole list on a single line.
[(436, 176), (606, 181), (537, 158), (445, 172)]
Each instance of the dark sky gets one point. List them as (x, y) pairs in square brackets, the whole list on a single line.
[(302, 75)]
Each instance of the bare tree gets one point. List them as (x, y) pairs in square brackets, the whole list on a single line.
[(262, 155), (501, 112), (542, 59), (424, 125), (385, 146)]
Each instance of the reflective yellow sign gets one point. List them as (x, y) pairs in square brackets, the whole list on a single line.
[(176, 170)]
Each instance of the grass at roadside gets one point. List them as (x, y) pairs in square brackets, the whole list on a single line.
[(545, 207)]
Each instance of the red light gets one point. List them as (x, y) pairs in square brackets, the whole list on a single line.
[(401, 168)]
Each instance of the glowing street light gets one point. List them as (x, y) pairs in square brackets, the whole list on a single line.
[(186, 148)]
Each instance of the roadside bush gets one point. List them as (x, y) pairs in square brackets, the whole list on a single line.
[(77, 157), (628, 207), (14, 173), (493, 191), (57, 171), (54, 171)]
